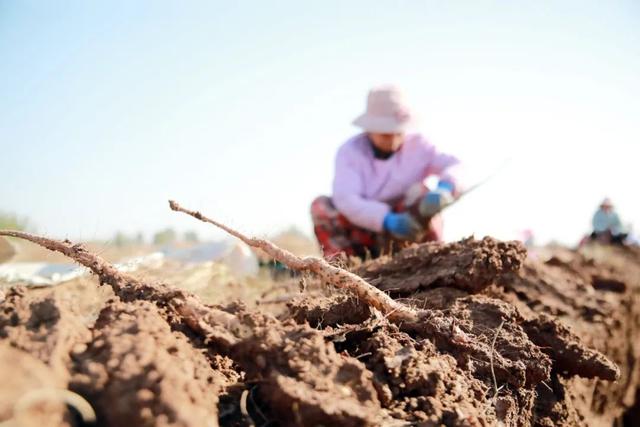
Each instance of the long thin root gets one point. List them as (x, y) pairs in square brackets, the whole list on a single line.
[(329, 274)]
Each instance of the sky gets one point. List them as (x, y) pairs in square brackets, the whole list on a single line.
[(108, 109)]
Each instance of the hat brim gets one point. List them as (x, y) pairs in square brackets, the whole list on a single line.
[(382, 124)]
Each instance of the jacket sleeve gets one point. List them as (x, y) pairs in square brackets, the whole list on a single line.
[(599, 222), (348, 189), (443, 165), (616, 224)]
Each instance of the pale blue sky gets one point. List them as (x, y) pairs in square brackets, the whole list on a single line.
[(107, 109)]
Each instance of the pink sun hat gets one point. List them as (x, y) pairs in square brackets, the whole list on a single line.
[(606, 203), (387, 111)]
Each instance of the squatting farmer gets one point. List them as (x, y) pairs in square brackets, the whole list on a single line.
[(380, 198), (607, 226)]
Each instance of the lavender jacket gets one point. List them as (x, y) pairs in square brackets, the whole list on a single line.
[(364, 186)]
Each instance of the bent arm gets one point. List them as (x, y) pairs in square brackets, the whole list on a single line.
[(348, 190), (445, 166)]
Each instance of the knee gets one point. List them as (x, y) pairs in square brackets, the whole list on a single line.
[(320, 201), (321, 208)]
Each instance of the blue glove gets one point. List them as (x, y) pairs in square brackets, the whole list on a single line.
[(446, 186), (401, 225), (436, 200)]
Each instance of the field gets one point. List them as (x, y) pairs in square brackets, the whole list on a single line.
[(476, 333)]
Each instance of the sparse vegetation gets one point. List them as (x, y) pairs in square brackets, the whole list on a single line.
[(191, 237), (164, 237), (12, 221)]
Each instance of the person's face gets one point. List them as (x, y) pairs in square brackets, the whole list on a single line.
[(388, 142), (607, 208)]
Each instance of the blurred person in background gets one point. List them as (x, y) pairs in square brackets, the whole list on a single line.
[(380, 198), (607, 227)]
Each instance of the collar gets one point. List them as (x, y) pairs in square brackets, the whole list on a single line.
[(378, 153)]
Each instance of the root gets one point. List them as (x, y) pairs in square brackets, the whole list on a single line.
[(493, 350), (478, 355), (74, 251), (70, 398), (423, 323), (206, 321), (396, 312), (251, 340)]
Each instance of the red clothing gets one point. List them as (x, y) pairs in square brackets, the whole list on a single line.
[(336, 234)]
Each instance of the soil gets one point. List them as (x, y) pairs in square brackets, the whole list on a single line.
[(28, 375), (136, 371), (7, 251), (499, 338)]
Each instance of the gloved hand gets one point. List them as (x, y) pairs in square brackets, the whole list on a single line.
[(436, 200), (401, 225)]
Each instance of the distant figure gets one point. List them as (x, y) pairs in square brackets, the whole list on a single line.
[(607, 226), (528, 238), (380, 200)]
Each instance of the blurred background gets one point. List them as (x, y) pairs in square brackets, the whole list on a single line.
[(108, 109)]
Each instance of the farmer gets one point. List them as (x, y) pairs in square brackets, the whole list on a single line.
[(380, 201), (606, 223)]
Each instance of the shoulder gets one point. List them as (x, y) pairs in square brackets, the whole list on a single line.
[(354, 147), (417, 140), (418, 143)]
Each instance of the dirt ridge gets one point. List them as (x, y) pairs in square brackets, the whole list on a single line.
[(496, 338)]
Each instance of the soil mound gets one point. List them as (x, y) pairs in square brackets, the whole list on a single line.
[(491, 338)]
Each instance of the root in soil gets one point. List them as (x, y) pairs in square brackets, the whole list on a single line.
[(463, 334)]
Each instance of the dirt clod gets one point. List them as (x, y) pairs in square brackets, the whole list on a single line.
[(136, 371), (42, 328), (23, 375), (470, 265)]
